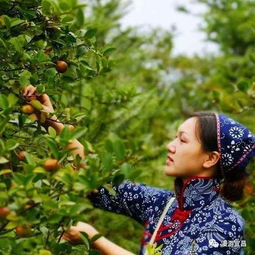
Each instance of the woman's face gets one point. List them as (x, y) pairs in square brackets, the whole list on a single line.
[(186, 152)]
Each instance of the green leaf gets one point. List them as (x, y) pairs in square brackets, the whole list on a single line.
[(52, 132), (45, 252), (89, 147), (12, 99), (108, 145), (2, 43), (3, 124), (30, 159), (24, 78), (79, 132), (91, 33), (118, 179), (95, 237), (46, 7), (65, 135), (67, 18), (80, 17), (107, 161), (18, 42), (84, 237), (53, 147), (28, 38), (11, 144), (5, 171), (3, 160), (39, 170), (108, 52), (243, 85), (50, 75), (3, 102), (64, 177), (119, 149), (7, 21), (55, 218), (40, 57), (94, 252), (64, 5), (15, 22)]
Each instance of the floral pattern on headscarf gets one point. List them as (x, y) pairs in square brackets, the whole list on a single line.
[(236, 143)]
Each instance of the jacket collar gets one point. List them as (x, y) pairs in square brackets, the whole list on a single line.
[(196, 191)]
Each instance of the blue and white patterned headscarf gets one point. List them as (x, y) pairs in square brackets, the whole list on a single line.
[(236, 144)]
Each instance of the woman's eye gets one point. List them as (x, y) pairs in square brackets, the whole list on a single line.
[(180, 139)]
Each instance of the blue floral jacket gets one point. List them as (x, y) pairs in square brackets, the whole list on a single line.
[(198, 222)]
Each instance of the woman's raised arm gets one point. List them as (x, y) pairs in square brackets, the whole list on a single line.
[(29, 93)]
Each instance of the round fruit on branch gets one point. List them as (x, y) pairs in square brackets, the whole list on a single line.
[(51, 164), (61, 66), (27, 108), (23, 230), (21, 155), (4, 211)]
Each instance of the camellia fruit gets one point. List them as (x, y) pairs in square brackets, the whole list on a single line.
[(36, 104), (33, 117), (21, 155), (23, 231), (51, 164), (4, 211), (27, 108), (71, 128), (61, 66)]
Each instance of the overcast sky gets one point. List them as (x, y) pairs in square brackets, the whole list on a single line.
[(163, 13)]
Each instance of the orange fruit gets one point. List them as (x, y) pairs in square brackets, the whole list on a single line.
[(61, 66), (4, 211), (51, 164), (27, 108), (21, 155)]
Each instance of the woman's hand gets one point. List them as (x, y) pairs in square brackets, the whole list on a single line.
[(29, 93), (102, 244), (73, 235)]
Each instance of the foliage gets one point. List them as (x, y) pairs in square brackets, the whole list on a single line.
[(108, 99)]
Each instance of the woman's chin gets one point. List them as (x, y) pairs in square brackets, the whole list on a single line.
[(169, 170)]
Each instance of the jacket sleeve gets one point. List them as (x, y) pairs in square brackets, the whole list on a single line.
[(131, 199), (223, 239)]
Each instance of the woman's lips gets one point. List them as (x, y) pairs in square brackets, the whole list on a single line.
[(169, 160), (169, 157)]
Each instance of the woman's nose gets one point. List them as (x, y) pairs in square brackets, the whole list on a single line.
[(170, 147)]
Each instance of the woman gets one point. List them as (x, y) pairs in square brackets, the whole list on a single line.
[(208, 159)]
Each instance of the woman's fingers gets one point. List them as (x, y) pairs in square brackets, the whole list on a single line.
[(66, 237), (72, 237), (29, 93), (47, 109), (29, 90), (45, 100)]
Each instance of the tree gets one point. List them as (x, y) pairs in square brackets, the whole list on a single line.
[(52, 45)]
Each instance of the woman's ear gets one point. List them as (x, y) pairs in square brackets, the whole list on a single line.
[(211, 159)]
